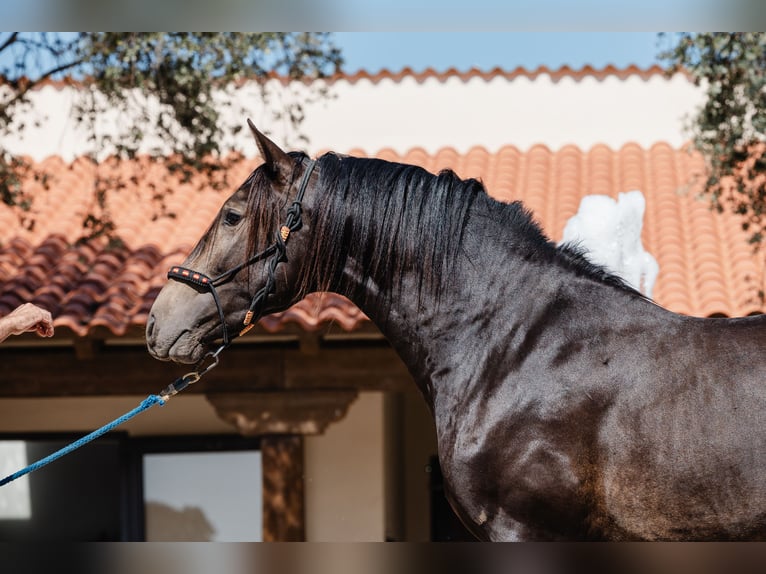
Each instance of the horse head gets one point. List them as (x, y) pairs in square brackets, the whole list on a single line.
[(242, 266)]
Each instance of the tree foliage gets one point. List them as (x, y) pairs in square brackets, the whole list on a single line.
[(123, 72), (730, 128)]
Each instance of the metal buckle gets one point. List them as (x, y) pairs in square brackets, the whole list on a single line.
[(192, 377), (212, 355)]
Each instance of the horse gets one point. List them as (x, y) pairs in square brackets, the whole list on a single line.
[(567, 405)]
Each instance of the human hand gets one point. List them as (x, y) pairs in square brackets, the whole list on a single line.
[(28, 317)]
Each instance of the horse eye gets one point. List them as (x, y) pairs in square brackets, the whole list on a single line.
[(231, 218)]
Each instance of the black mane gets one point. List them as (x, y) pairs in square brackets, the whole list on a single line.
[(406, 217), (403, 217), (575, 257)]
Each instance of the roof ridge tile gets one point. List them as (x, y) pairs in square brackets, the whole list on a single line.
[(555, 74)]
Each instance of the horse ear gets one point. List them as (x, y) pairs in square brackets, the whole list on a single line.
[(278, 162)]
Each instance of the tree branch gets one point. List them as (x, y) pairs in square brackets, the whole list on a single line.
[(11, 39), (28, 85)]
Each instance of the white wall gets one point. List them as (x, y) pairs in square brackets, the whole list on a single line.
[(431, 114), (191, 414), (344, 472), (523, 112), (344, 476)]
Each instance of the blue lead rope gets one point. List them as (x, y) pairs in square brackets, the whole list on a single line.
[(171, 390), (147, 403)]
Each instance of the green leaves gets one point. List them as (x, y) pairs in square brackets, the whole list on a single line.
[(730, 128), (163, 85)]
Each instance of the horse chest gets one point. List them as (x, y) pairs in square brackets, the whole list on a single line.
[(511, 475)]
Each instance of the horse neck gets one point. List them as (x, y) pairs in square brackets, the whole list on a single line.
[(452, 274), (427, 323)]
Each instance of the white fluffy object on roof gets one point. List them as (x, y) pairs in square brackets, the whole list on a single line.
[(610, 232)]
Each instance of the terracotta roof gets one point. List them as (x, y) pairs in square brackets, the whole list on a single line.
[(706, 265), (556, 75)]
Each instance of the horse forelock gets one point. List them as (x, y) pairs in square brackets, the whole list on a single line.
[(265, 209)]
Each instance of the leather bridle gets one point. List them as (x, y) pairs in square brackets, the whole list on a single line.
[(278, 253)]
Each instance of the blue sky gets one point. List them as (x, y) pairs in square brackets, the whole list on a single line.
[(373, 51)]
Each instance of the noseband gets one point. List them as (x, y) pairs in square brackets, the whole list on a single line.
[(278, 253)]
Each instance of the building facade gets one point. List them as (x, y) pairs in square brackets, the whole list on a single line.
[(326, 436)]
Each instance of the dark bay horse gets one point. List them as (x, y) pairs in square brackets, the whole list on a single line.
[(567, 405)]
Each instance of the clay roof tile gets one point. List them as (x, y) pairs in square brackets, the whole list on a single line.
[(706, 264)]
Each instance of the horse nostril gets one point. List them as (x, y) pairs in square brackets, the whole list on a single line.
[(150, 326)]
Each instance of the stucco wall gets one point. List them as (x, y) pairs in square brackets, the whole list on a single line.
[(431, 114), (344, 478), (344, 474)]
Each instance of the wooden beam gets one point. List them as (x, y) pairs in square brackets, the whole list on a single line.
[(86, 348), (284, 513), (128, 370), (367, 367), (310, 344)]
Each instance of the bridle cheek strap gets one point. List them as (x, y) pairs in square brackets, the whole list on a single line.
[(278, 253)]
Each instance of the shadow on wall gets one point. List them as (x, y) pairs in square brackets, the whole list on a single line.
[(167, 524)]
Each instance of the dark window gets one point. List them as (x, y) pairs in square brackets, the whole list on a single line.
[(96, 493), (79, 497)]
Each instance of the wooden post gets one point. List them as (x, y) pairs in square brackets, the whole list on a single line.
[(283, 492), (282, 419)]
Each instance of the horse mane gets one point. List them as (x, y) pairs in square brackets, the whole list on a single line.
[(574, 256), (404, 217), (527, 236), (395, 217)]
